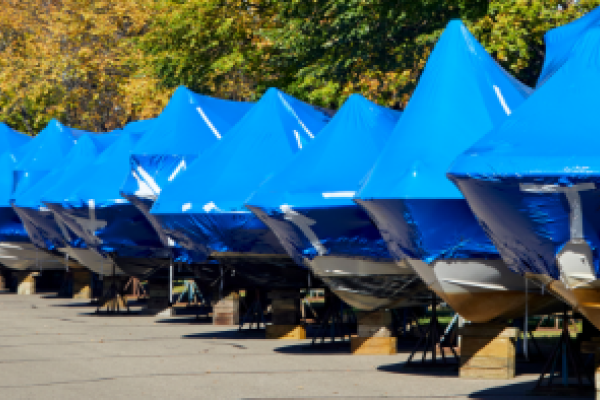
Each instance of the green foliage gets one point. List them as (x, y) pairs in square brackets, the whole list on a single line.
[(95, 64), (513, 31), (331, 48), (211, 46)]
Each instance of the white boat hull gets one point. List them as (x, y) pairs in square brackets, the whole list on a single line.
[(369, 284), (482, 290), (92, 260), (25, 256), (578, 274)]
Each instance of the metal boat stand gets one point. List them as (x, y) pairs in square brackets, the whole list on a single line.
[(254, 312), (564, 361), (525, 346), (137, 289), (432, 337), (113, 297), (66, 286), (337, 321)]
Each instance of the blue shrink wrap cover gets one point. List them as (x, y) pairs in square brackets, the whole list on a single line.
[(308, 204), (203, 209), (523, 179), (462, 94)]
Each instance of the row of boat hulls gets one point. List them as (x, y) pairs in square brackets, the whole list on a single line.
[(392, 212), (280, 189)]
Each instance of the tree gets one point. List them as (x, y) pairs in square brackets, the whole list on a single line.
[(513, 31), (73, 60), (328, 49), (211, 46)]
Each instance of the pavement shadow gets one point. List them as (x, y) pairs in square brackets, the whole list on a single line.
[(74, 304), (229, 334), (186, 321), (316, 349), (423, 369), (105, 314), (522, 389)]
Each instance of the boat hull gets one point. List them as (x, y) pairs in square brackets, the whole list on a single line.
[(342, 247), (92, 260), (576, 263), (369, 284), (444, 243), (239, 242), (483, 290), (268, 271), (26, 256)]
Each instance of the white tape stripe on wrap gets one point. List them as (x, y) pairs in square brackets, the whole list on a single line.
[(304, 224), (572, 193)]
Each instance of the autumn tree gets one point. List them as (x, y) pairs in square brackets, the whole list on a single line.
[(74, 60)]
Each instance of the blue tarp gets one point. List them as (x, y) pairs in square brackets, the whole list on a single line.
[(320, 182), (13, 148), (42, 227), (40, 156), (461, 95), (43, 153), (204, 206), (560, 42), (552, 139), (189, 125), (95, 211), (13, 145), (68, 172)]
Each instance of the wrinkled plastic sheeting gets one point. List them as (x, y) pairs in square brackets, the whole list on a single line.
[(529, 229), (119, 229), (237, 232), (430, 229), (306, 232), (42, 228), (11, 227), (150, 173)]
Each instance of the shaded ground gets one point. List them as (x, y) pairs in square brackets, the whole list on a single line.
[(54, 348)]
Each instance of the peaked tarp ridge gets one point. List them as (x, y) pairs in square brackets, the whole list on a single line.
[(318, 185), (331, 170), (204, 209), (11, 140), (13, 146), (461, 95), (106, 174), (560, 41), (42, 226), (189, 125), (274, 130), (71, 171), (41, 154), (515, 177)]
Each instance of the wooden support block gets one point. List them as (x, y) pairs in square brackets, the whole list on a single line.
[(373, 345), (291, 332), (488, 351), (374, 331), (82, 283), (227, 310), (114, 304)]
